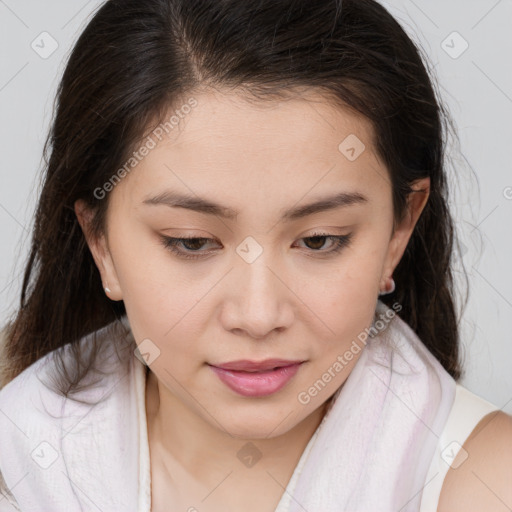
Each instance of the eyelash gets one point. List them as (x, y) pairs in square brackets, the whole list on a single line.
[(170, 243)]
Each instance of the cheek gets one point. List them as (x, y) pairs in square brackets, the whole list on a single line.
[(343, 299), (159, 298), (344, 306)]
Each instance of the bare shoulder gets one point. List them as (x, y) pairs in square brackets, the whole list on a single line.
[(480, 478)]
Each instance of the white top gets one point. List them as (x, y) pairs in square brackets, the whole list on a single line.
[(467, 410)]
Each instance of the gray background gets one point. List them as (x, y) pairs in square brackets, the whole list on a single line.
[(468, 43)]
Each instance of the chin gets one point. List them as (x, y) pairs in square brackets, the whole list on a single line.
[(267, 422), (252, 433)]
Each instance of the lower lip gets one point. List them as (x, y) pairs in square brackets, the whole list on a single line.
[(257, 384)]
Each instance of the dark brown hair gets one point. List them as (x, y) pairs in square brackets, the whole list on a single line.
[(137, 59)]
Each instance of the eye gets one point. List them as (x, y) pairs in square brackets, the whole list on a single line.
[(190, 247), (191, 244), (317, 240)]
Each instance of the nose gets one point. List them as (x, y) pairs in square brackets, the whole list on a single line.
[(259, 301)]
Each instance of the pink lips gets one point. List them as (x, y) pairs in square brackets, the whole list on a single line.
[(251, 378)]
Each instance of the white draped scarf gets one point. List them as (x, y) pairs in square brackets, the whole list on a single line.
[(370, 453)]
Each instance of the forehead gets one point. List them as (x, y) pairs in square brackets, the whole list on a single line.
[(222, 122), (227, 146)]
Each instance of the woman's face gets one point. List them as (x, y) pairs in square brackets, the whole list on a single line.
[(257, 287)]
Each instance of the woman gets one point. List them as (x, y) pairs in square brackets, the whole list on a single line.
[(239, 293)]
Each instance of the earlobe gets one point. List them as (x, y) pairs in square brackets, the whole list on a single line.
[(99, 251)]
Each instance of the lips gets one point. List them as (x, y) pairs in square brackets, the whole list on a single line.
[(245, 365), (257, 379)]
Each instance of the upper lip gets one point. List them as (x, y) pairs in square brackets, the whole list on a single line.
[(247, 365)]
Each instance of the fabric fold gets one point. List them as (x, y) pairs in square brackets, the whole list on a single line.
[(374, 447), (60, 455)]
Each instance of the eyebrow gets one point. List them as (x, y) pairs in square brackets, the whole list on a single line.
[(177, 200)]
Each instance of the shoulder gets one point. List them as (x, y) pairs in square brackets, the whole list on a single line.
[(105, 350), (35, 415), (481, 474), (39, 393), (23, 383), (26, 404)]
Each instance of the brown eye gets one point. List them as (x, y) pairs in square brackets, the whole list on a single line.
[(318, 240), (191, 245)]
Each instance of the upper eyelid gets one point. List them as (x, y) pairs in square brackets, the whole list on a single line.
[(212, 239), (314, 232), (179, 239)]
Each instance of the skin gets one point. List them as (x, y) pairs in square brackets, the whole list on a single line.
[(483, 480), (259, 159)]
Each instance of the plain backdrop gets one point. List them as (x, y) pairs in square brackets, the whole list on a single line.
[(468, 44)]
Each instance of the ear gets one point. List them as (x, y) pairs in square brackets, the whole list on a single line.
[(99, 250), (416, 201)]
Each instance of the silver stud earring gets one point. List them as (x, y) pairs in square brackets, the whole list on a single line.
[(107, 289)]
